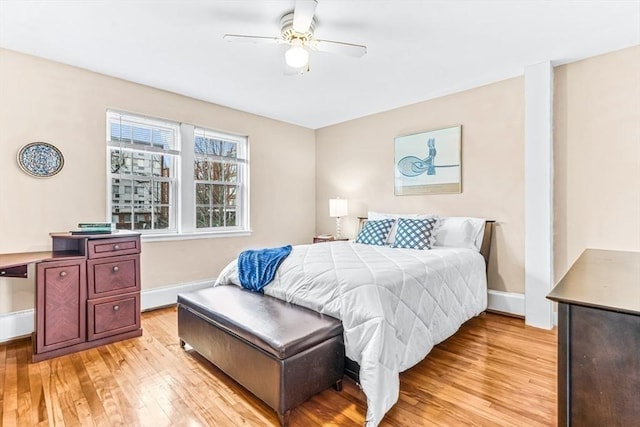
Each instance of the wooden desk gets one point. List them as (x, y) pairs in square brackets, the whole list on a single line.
[(15, 264), (87, 291), (599, 340), (88, 294), (65, 247)]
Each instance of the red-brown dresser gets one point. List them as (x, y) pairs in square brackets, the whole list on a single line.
[(90, 299)]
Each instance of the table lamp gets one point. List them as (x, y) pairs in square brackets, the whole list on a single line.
[(337, 209)]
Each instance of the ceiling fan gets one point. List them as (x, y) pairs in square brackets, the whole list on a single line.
[(297, 32)]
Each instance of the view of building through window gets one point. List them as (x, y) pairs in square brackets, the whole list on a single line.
[(142, 181), (141, 201)]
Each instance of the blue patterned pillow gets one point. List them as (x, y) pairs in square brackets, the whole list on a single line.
[(415, 233), (375, 232)]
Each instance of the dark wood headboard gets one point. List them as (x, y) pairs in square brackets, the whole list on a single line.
[(485, 248)]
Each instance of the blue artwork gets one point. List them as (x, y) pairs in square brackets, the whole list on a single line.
[(428, 162), (414, 166)]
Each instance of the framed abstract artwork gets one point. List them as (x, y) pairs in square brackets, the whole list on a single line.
[(429, 162)]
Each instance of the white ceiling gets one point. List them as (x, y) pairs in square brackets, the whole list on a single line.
[(417, 49)]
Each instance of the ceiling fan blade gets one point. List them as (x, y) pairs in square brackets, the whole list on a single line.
[(251, 39), (348, 49), (303, 15)]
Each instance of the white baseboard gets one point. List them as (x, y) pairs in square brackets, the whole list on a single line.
[(19, 324), (506, 302), (162, 297)]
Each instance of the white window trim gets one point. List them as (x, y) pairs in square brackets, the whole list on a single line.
[(184, 210), (151, 237)]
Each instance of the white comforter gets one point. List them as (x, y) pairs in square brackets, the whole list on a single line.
[(395, 304)]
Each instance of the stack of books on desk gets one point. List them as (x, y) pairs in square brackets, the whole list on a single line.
[(95, 228)]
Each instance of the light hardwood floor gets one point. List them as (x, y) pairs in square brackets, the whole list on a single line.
[(493, 372)]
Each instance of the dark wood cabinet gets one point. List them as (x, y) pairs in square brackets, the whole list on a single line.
[(61, 300), (599, 340), (88, 300)]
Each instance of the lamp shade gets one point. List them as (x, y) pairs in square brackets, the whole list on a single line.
[(337, 207)]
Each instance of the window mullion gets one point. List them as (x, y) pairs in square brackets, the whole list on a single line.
[(187, 213), (134, 147)]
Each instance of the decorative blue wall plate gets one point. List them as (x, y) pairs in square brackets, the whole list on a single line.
[(40, 159)]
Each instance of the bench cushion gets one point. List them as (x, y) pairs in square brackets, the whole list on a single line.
[(277, 327)]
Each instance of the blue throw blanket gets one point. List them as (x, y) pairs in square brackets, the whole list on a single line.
[(256, 268)]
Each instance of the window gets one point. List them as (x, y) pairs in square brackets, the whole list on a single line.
[(174, 178), (217, 183)]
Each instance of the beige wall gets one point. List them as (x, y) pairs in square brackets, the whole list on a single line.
[(65, 106), (354, 160), (597, 156), (597, 129), (596, 165)]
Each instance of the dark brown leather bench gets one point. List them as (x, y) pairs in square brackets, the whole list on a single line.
[(282, 353)]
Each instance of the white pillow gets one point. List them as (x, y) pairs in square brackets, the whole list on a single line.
[(375, 216), (460, 232)]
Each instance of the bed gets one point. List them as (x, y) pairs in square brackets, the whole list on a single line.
[(395, 303)]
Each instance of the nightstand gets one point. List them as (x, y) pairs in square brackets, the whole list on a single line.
[(320, 239)]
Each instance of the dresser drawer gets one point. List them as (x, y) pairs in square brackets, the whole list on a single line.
[(113, 315), (100, 248), (113, 276)]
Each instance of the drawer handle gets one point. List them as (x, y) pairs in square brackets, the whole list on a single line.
[(116, 247), (2, 273), (115, 269), (63, 273), (116, 307)]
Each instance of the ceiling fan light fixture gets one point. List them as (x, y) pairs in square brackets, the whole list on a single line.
[(296, 56), (297, 31)]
